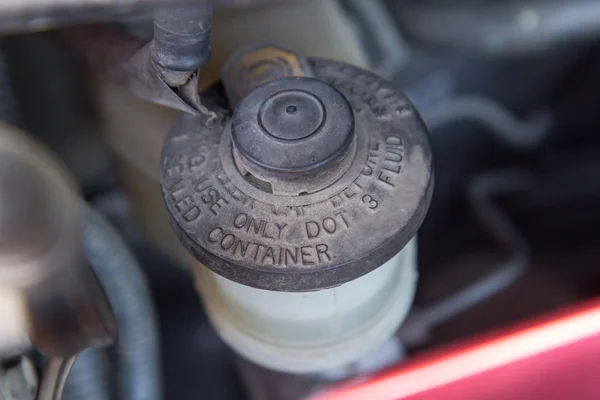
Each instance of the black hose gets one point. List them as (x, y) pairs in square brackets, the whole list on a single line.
[(137, 347), (182, 37), (526, 134), (481, 194), (88, 378)]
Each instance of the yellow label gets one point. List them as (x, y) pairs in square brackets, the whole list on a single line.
[(258, 66)]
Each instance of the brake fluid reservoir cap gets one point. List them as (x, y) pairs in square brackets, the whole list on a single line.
[(312, 183)]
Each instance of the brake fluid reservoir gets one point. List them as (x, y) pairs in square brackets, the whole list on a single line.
[(301, 208)]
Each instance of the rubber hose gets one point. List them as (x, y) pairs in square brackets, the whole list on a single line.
[(88, 378), (137, 348), (182, 36)]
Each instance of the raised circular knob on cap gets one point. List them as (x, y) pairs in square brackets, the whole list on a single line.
[(292, 126), (292, 115)]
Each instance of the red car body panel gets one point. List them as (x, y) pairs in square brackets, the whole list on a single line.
[(553, 357)]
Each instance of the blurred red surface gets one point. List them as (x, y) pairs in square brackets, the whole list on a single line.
[(552, 357)]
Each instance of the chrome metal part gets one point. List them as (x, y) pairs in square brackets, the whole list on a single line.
[(54, 378), (48, 290), (18, 380)]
